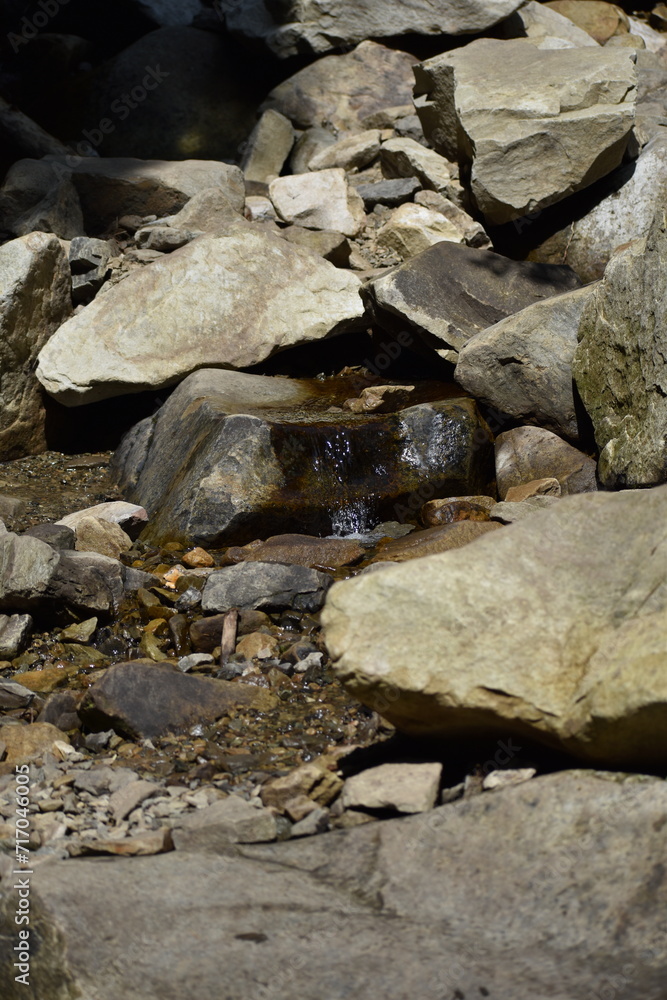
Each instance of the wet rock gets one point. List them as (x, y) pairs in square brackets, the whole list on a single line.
[(432, 540), (405, 788), (198, 557), (528, 453), (24, 743), (342, 90), (27, 567), (522, 365), (319, 200), (205, 634), (521, 159), (229, 821), (15, 631), (620, 364), (146, 699), (276, 470), (280, 296), (295, 27), (391, 192), (268, 147), (258, 645), (381, 399), (449, 293), (265, 585), (300, 550), (449, 510), (557, 645), (355, 151), (541, 835), (34, 302)]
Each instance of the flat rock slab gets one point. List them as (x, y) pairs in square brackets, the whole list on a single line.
[(146, 699), (300, 550), (232, 820), (554, 628), (407, 788), (449, 293), (575, 857), (440, 538), (275, 293), (265, 585)]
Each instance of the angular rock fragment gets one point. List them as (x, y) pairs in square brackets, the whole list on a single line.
[(319, 200), (272, 586), (528, 453), (230, 821), (406, 788)]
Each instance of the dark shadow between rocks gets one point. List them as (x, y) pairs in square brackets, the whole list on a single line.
[(98, 426)]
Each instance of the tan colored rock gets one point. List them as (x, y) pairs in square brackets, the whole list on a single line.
[(94, 534), (300, 550), (433, 540), (319, 200), (554, 629), (525, 454), (258, 645), (449, 510), (45, 680), (545, 27), (402, 157), (24, 743), (536, 488), (208, 211), (407, 788), (357, 150), (414, 228), (35, 299), (598, 19), (267, 147), (314, 780), (380, 399), (197, 558)]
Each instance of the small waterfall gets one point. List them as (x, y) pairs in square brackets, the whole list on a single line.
[(336, 460)]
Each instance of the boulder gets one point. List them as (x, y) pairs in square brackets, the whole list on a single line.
[(575, 858), (295, 26), (544, 27), (598, 19), (27, 566), (84, 583), (35, 299), (232, 820), (145, 699), (414, 228), (620, 365), (34, 197), (55, 535), (129, 516), (24, 743), (525, 454), (95, 534), (355, 151), (522, 365), (554, 630), (342, 90), (247, 458), (272, 296), (522, 154), (405, 788), (450, 292), (319, 200), (272, 586), (267, 148)]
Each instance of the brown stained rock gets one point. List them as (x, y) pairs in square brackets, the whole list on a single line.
[(23, 743), (433, 540), (528, 453), (380, 399), (449, 510), (314, 780), (198, 557), (206, 633), (300, 550), (257, 645), (536, 488), (146, 699), (45, 680)]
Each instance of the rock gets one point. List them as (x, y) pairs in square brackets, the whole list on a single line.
[(354, 151), (313, 780), (452, 292), (388, 192), (473, 233), (381, 399), (164, 239), (86, 583), (208, 211), (79, 631), (88, 260), (508, 513), (449, 510), (145, 699), (34, 302), (413, 229), (432, 540), (600, 20), (241, 472), (405, 788), (342, 90), (14, 695), (198, 557), (332, 246), (206, 633), (11, 509), (537, 488), (544, 27), (620, 365), (95, 534), (267, 148), (588, 840), (279, 296), (265, 585), (27, 567), (129, 796), (555, 646), (307, 26), (300, 550), (259, 646), (519, 158), (174, 93), (504, 779), (528, 453), (24, 743), (58, 536), (522, 365), (171, 12), (319, 200), (15, 631), (141, 844), (316, 821), (229, 821), (113, 186), (407, 158), (35, 197), (129, 516), (61, 711)]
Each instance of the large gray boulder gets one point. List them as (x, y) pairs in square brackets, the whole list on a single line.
[(251, 455), (290, 27), (620, 365), (231, 299), (272, 586), (35, 299), (399, 908), (527, 139), (523, 365), (449, 293), (553, 628)]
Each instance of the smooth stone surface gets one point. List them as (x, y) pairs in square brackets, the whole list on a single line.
[(522, 365), (600, 20), (24, 743), (353, 151), (267, 147), (277, 294), (145, 699), (319, 200), (230, 821), (407, 788), (55, 535), (95, 534), (528, 453), (620, 365), (27, 566), (544, 27), (300, 550), (15, 631), (577, 860), (129, 516), (35, 299), (272, 586), (428, 542), (414, 228), (450, 292), (404, 157), (86, 583), (557, 123), (391, 192), (554, 629), (518, 510)]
